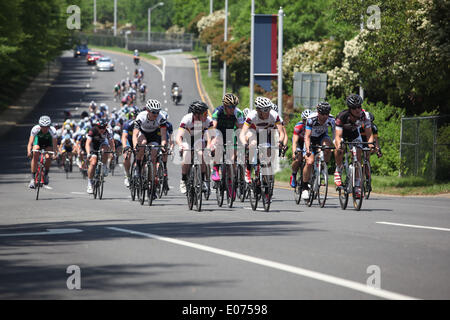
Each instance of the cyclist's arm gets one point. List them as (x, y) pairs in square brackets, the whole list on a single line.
[(369, 133), (88, 145), (243, 134), (30, 144), (179, 137), (124, 139), (163, 136), (135, 137), (308, 141), (295, 139), (285, 140), (281, 132)]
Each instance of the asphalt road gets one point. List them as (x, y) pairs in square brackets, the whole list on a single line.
[(127, 251)]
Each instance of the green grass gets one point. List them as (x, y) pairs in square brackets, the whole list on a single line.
[(389, 185), (123, 50)]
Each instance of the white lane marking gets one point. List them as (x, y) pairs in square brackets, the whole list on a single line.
[(88, 85), (163, 70), (257, 209), (83, 193), (413, 226), (280, 266), (48, 232), (164, 93), (164, 86)]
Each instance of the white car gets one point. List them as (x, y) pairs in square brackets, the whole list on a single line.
[(105, 64)]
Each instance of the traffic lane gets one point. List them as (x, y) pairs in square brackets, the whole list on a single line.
[(116, 267)]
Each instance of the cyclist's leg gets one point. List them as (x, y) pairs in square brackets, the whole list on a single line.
[(326, 141)]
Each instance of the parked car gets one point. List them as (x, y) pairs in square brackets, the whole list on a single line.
[(105, 64), (80, 50), (93, 56)]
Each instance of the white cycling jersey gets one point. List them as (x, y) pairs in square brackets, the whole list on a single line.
[(188, 124), (253, 121), (143, 123), (37, 128)]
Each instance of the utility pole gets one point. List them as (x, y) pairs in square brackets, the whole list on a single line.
[(115, 18), (252, 62), (280, 62), (225, 39), (95, 15)]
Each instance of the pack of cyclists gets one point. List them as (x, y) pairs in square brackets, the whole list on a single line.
[(259, 131)]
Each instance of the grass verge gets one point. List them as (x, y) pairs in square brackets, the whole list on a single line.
[(403, 186)]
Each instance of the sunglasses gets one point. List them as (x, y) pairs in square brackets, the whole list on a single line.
[(102, 127), (155, 112), (356, 108), (265, 109), (231, 107)]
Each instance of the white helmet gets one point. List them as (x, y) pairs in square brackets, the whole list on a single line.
[(274, 107), (153, 104), (263, 102), (44, 121), (306, 113)]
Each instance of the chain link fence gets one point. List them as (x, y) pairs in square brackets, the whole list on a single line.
[(425, 147)]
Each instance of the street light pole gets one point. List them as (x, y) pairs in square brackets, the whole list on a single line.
[(115, 18), (225, 39), (150, 20), (95, 15)]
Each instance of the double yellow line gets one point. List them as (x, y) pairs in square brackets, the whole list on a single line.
[(199, 87)]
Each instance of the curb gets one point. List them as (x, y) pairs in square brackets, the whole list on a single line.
[(30, 98)]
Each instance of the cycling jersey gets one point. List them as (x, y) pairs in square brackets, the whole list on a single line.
[(225, 121), (270, 123), (169, 129), (351, 127), (319, 130), (187, 123), (144, 124), (128, 127), (44, 140), (99, 139), (299, 130)]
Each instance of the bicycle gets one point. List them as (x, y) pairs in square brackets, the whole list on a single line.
[(99, 175), (351, 171), (134, 180), (367, 170), (147, 183), (194, 184), (162, 184), (227, 182), (39, 176), (83, 166), (298, 188), (261, 186), (67, 166), (207, 182), (319, 179)]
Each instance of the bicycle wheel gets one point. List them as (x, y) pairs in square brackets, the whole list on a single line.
[(267, 191), (101, 182), (322, 184), (367, 174), (343, 189), (160, 184), (253, 194), (190, 191), (151, 190), (221, 185), (37, 181), (357, 201), (67, 167), (143, 183), (230, 186), (198, 187), (241, 185)]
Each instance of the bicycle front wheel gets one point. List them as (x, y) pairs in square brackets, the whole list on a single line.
[(322, 184), (37, 181), (343, 190), (198, 187), (190, 192), (367, 174), (253, 195), (101, 182), (358, 197), (267, 192), (151, 190), (220, 187), (231, 187)]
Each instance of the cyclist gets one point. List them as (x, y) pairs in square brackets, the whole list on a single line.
[(42, 136), (98, 138), (143, 90), (316, 133), (348, 123), (260, 123), (136, 56), (127, 142), (194, 132), (116, 90), (141, 74), (285, 141), (298, 138), (226, 117), (92, 106), (67, 149), (149, 129)]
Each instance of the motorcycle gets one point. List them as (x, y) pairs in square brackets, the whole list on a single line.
[(176, 95)]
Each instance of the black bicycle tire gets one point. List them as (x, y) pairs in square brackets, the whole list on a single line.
[(101, 183), (189, 189), (150, 183), (323, 174), (198, 187), (343, 191), (160, 174), (230, 197), (357, 203), (253, 195), (368, 181), (220, 190), (267, 196), (38, 185)]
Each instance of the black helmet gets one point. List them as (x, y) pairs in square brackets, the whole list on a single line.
[(84, 114), (101, 122), (198, 107), (323, 107), (354, 101)]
